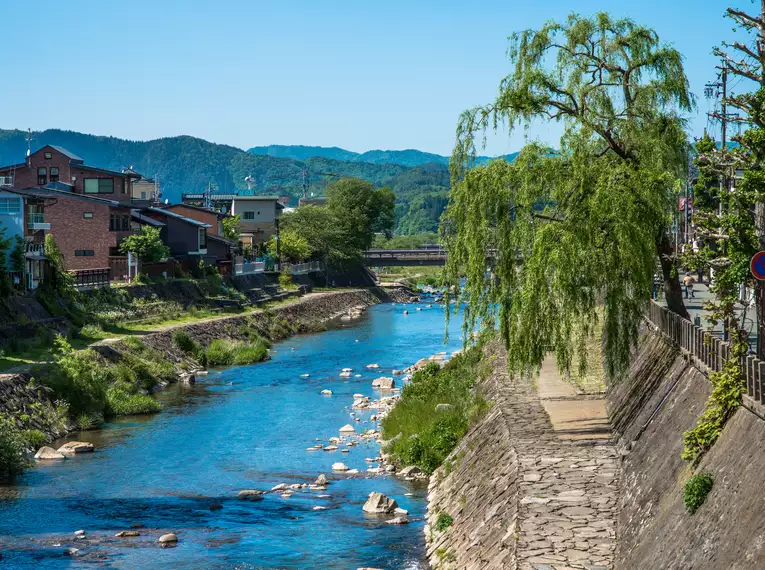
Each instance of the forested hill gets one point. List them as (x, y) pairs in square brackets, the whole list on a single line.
[(188, 164), (409, 157)]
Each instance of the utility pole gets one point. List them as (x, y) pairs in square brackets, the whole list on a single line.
[(305, 184)]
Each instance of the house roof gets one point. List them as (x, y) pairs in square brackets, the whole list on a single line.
[(26, 192), (141, 219), (65, 194), (62, 150), (198, 208), (107, 171), (58, 185), (178, 217), (19, 165), (222, 239)]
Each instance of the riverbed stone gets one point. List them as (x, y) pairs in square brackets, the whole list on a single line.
[(377, 504), (347, 428), (72, 448), (169, 538), (127, 533), (326, 392), (398, 520), (46, 453), (321, 481), (250, 495), (339, 467), (383, 383)]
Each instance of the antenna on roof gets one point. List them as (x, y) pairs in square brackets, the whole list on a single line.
[(29, 142)]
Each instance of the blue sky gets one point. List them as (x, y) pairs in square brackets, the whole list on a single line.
[(358, 74)]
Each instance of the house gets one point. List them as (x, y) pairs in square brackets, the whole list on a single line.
[(87, 229), (56, 165), (144, 190), (186, 238), (22, 215), (258, 215), (200, 214)]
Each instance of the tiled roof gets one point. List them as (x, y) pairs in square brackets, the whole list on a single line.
[(62, 150), (140, 218)]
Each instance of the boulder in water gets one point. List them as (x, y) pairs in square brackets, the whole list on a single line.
[(250, 495), (326, 392), (379, 504), (46, 453), (347, 428), (383, 383), (339, 467), (72, 448), (321, 480), (168, 539), (127, 533)]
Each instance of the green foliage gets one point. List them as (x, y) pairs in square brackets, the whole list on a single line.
[(443, 522), (16, 256), (185, 343), (5, 281), (293, 246), (427, 436), (34, 438), (285, 280), (696, 490), (123, 400), (584, 226), (146, 244), (221, 352), (406, 241), (231, 227), (59, 280), (727, 392), (12, 458)]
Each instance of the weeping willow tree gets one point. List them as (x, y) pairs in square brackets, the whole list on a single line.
[(578, 233)]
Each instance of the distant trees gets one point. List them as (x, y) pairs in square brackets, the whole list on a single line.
[(293, 247), (340, 231)]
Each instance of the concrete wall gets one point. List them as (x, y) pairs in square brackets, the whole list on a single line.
[(660, 398)]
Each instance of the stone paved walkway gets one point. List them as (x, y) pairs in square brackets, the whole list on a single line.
[(568, 476)]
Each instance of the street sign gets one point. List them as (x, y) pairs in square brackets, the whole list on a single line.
[(757, 265)]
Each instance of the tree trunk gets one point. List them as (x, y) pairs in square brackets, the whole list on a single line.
[(673, 292)]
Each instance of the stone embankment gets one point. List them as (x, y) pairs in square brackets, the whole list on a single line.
[(516, 494), (661, 397)]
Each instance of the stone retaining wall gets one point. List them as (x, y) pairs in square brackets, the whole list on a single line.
[(520, 496), (661, 397), (29, 405)]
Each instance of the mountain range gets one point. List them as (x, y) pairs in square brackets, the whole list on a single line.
[(187, 164)]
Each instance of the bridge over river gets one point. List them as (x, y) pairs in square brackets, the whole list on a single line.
[(404, 257)]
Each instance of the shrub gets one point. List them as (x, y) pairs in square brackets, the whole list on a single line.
[(85, 422), (185, 343), (696, 490), (443, 522), (34, 438), (249, 354), (285, 280), (428, 436), (125, 402), (220, 353), (12, 459)]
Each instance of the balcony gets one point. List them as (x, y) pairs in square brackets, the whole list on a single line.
[(36, 221), (34, 250)]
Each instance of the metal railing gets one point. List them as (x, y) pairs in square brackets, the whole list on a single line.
[(708, 349), (91, 278), (35, 218), (303, 268), (249, 268)]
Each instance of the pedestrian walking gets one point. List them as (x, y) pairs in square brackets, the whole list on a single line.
[(688, 281)]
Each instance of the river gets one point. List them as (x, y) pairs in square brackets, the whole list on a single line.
[(241, 428)]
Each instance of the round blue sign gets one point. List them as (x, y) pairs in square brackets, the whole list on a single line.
[(757, 265)]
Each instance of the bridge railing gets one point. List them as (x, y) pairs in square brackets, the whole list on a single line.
[(707, 349)]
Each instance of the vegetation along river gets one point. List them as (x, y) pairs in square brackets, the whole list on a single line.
[(241, 428)]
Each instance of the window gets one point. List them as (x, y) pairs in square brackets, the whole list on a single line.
[(126, 223), (48, 155), (84, 252), (249, 216), (42, 176), (87, 215), (113, 222), (54, 173), (143, 195), (10, 205), (99, 186), (202, 238)]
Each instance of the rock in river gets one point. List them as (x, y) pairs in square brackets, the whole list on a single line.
[(127, 533), (398, 520), (383, 383), (326, 392), (379, 504), (339, 467), (347, 428), (321, 480), (75, 448), (46, 453), (250, 495), (169, 538)]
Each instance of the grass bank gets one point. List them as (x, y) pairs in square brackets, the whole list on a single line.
[(435, 410)]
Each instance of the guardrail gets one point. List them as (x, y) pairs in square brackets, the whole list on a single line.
[(710, 351), (249, 268), (303, 268), (91, 278)]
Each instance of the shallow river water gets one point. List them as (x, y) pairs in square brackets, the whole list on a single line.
[(242, 428)]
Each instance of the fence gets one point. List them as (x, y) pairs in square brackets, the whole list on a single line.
[(91, 278), (710, 351), (249, 268), (303, 268)]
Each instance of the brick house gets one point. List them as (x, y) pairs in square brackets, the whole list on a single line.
[(56, 165), (200, 214), (87, 229)]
